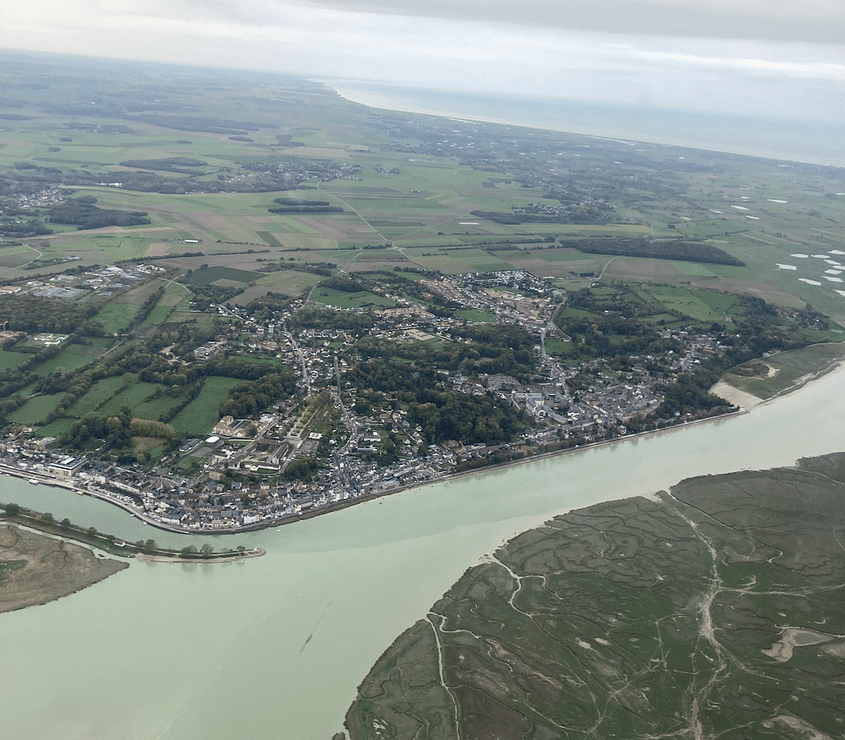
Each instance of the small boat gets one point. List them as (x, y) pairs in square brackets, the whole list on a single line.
[(34, 481)]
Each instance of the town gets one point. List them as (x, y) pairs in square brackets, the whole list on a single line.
[(328, 445), (303, 302)]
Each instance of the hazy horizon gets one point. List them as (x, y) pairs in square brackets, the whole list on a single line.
[(712, 56), (817, 142), (753, 134)]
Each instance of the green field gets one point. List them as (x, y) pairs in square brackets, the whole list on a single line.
[(208, 275), (199, 416), (287, 281), (56, 428), (99, 393), (156, 408), (159, 315), (701, 305), (342, 299), (129, 398), (788, 368), (558, 347), (473, 314), (73, 357), (35, 410), (115, 317), (12, 359)]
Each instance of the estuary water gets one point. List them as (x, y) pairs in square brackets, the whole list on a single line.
[(274, 647)]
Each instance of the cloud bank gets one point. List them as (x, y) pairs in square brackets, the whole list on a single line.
[(773, 58)]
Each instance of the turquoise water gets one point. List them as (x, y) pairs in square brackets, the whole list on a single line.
[(274, 647)]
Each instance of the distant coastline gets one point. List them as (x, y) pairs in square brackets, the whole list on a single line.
[(817, 142)]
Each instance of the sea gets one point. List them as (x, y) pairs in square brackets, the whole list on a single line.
[(798, 140)]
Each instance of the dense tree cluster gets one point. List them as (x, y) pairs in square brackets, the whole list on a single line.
[(598, 335), (182, 338), (688, 395), (492, 348), (300, 468), (19, 224), (297, 205), (206, 294), (446, 415), (313, 317), (200, 123), (575, 213), (34, 314), (665, 250), (250, 399), (168, 164), (82, 213), (270, 305), (443, 413), (501, 348), (343, 283), (112, 433)]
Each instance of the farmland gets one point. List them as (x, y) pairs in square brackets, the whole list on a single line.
[(449, 294), (417, 203)]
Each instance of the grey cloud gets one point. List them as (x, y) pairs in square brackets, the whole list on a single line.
[(816, 21), (813, 21)]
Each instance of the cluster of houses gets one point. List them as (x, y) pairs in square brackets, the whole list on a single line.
[(235, 477)]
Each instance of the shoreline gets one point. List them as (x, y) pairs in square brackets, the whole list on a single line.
[(256, 552), (341, 504), (583, 118), (345, 503), (109, 545)]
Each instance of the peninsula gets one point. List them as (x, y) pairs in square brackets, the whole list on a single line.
[(42, 559)]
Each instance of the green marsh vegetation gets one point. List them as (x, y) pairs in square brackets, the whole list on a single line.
[(715, 608)]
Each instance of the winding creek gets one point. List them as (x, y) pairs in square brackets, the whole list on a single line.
[(274, 647)]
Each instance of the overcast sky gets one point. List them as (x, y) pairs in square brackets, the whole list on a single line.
[(770, 57)]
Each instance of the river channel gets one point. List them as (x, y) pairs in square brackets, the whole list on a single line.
[(274, 647)]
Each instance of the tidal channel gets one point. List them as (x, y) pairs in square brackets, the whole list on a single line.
[(274, 647)]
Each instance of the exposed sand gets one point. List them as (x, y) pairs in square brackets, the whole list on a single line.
[(215, 558), (745, 401), (791, 638)]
